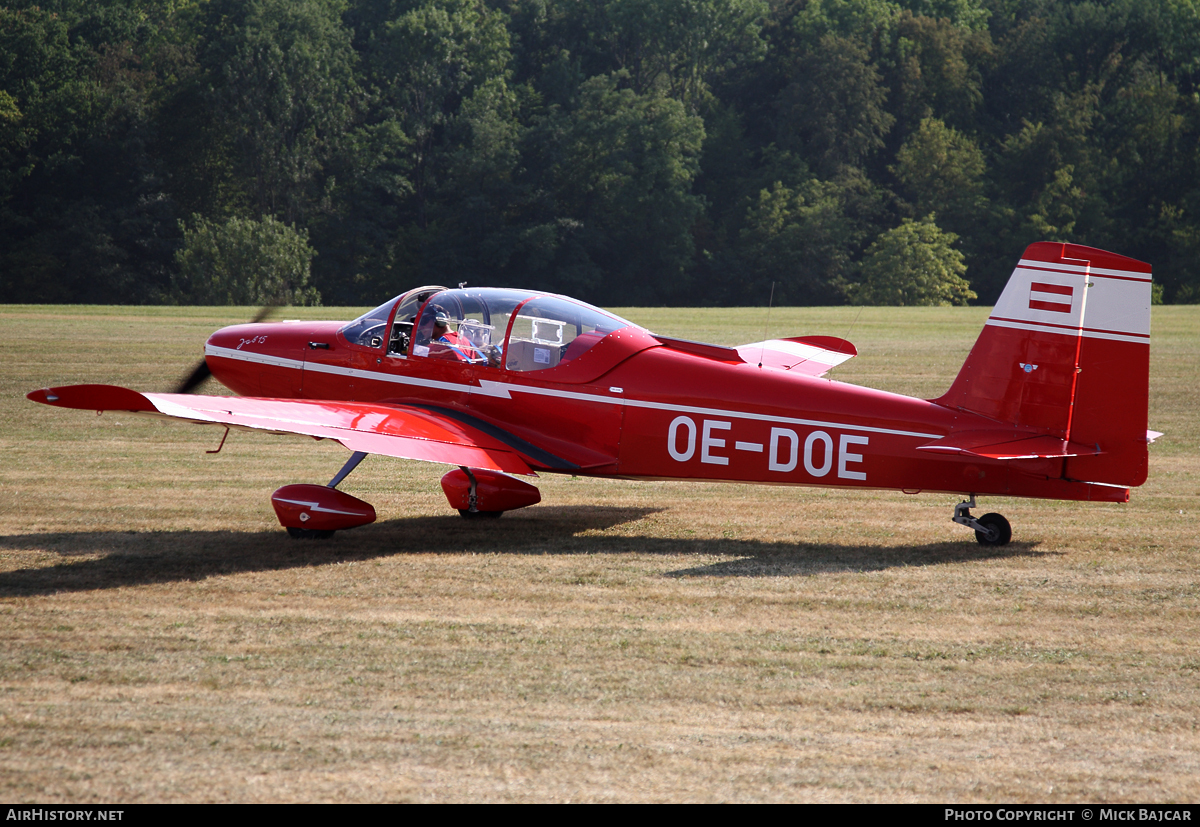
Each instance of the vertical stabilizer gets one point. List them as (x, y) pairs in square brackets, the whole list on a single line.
[(1066, 352)]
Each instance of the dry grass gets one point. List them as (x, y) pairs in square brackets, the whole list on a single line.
[(163, 641)]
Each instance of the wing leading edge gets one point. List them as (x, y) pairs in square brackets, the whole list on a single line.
[(374, 428)]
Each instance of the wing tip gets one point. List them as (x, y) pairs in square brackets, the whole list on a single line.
[(92, 398)]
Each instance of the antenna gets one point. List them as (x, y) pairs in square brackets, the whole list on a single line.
[(848, 332), (766, 325), (853, 323)]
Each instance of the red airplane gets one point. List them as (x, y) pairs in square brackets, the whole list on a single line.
[(1051, 403)]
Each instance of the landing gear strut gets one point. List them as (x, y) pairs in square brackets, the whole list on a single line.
[(480, 493), (472, 512), (990, 529)]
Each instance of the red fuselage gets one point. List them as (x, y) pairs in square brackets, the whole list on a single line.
[(640, 406)]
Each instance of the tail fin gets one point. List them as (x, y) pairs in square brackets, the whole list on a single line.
[(1066, 352)]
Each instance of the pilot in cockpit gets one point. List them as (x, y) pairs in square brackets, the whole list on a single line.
[(453, 344)]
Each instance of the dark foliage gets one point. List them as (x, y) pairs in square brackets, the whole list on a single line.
[(626, 152)]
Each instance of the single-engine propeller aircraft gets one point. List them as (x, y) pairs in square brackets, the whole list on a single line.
[(1051, 402)]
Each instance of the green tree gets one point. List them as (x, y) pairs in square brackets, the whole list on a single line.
[(425, 181), (935, 70), (833, 107), (680, 47), (913, 264), (244, 262), (283, 92), (621, 171), (942, 171), (860, 20), (424, 63), (806, 239), (83, 214)]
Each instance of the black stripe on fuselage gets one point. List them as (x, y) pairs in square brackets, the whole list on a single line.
[(511, 440)]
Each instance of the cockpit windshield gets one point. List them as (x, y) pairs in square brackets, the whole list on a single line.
[(369, 329), (466, 325)]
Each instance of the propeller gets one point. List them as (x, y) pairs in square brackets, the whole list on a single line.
[(201, 372)]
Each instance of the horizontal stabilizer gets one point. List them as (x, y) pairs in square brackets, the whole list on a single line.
[(809, 355), (1008, 444)]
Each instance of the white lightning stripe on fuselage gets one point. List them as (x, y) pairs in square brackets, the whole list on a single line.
[(315, 506), (504, 390)]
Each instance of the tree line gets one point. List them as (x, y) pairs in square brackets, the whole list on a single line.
[(627, 152)]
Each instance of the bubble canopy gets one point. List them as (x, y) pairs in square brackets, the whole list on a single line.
[(517, 330)]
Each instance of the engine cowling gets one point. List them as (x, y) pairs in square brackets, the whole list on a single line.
[(319, 508), (494, 492)]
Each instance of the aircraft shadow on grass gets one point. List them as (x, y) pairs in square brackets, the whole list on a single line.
[(121, 559)]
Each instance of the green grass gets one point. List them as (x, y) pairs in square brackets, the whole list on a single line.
[(164, 641)]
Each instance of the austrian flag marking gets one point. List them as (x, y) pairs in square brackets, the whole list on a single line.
[(1053, 297)]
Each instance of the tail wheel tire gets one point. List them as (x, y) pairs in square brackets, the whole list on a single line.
[(1000, 532)]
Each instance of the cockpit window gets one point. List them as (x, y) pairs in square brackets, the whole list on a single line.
[(466, 325), (406, 317), (470, 325), (550, 331)]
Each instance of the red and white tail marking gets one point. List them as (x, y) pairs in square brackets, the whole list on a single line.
[(1057, 298), (1101, 295)]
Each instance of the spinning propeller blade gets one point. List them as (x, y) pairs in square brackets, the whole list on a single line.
[(201, 372)]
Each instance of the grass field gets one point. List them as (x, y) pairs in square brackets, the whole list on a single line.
[(163, 640)]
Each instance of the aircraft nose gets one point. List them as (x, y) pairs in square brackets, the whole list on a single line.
[(241, 337), (222, 339), (259, 359)]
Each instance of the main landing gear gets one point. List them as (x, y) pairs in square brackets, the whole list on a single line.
[(478, 493), (315, 512), (990, 529)]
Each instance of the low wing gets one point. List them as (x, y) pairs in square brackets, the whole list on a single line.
[(375, 428)]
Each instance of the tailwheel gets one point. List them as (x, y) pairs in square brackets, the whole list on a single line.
[(308, 534), (996, 530), (990, 529)]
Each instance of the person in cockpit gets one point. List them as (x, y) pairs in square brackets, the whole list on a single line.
[(455, 344)]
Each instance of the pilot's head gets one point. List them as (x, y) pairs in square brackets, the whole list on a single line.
[(441, 322)]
